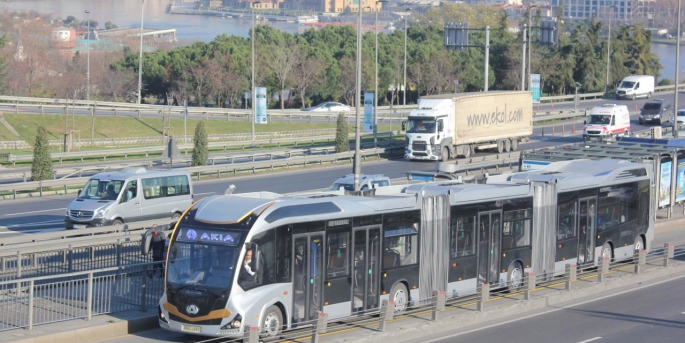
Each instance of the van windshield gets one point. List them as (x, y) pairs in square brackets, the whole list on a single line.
[(101, 189), (627, 84), (599, 119), (345, 186)]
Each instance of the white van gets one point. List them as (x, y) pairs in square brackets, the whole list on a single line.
[(129, 195), (366, 182), (606, 122), (636, 86)]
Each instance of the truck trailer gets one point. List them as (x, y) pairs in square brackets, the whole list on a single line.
[(450, 125)]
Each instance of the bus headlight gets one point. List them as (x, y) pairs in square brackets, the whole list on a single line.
[(235, 323), (162, 317)]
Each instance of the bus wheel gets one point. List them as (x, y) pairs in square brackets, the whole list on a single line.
[(639, 244), (272, 322), (515, 277), (606, 251), (400, 296)]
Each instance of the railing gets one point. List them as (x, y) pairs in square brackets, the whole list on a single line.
[(43, 300), (213, 170)]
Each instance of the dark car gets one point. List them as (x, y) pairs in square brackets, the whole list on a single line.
[(658, 111)]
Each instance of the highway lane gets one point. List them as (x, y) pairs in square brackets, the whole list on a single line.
[(35, 214), (649, 312), (569, 105)]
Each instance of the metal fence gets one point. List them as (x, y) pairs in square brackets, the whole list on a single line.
[(51, 299)]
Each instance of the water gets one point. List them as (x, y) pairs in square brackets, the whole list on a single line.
[(126, 13), (191, 28), (667, 58)]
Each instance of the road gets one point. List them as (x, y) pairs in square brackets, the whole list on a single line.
[(47, 214), (649, 312)]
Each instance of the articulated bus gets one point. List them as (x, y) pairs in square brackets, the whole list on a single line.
[(275, 261)]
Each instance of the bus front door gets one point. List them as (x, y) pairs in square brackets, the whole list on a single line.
[(587, 230), (307, 277), (489, 231), (366, 277)]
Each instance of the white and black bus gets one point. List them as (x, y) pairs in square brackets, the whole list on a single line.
[(273, 261)]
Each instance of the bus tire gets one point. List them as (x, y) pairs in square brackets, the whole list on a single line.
[(272, 322), (639, 244), (515, 277), (400, 296), (607, 251)]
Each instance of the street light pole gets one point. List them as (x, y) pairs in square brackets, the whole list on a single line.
[(404, 83), (140, 57), (677, 81), (88, 54), (523, 59), (530, 40), (252, 93), (611, 17), (357, 100), (375, 92)]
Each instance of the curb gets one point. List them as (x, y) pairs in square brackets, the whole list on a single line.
[(106, 328)]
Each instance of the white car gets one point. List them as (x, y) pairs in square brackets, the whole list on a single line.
[(329, 107), (680, 116)]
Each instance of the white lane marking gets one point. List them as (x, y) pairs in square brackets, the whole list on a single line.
[(20, 213), (555, 309), (33, 231), (590, 340)]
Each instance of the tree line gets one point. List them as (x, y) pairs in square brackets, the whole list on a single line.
[(319, 65)]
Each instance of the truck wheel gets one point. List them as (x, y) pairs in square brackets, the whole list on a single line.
[(649, 95), (445, 154), (514, 144), (507, 145), (467, 151), (500, 146)]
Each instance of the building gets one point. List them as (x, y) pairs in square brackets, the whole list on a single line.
[(340, 6), (63, 38), (580, 9)]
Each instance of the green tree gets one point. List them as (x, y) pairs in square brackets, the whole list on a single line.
[(110, 26), (342, 134), (200, 145), (41, 168)]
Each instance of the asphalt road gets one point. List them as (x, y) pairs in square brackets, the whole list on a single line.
[(650, 312), (47, 214)]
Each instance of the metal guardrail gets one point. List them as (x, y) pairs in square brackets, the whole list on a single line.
[(200, 171), (43, 300)]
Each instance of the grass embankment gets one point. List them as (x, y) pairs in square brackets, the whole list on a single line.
[(126, 127)]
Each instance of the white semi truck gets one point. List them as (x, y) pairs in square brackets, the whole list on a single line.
[(451, 125)]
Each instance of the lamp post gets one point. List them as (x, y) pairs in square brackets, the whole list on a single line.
[(357, 101), (404, 83), (611, 16), (140, 57), (375, 92), (530, 41), (88, 54), (677, 69)]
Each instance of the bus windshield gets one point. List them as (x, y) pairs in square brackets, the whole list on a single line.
[(203, 258)]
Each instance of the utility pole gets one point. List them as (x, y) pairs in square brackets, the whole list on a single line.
[(677, 80), (140, 57)]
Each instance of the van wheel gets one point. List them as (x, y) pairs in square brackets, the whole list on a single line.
[(175, 216), (117, 222), (649, 95), (632, 97)]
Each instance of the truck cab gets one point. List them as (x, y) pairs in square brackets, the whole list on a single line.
[(428, 134)]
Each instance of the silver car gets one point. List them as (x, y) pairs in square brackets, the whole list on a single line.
[(329, 107)]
